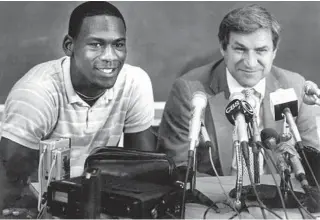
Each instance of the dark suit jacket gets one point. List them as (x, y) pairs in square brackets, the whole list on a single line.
[(211, 79)]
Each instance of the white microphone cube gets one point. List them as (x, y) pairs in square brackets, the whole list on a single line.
[(281, 99)]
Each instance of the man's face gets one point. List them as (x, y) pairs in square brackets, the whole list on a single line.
[(249, 57), (99, 51)]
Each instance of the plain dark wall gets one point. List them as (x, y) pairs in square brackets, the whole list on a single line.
[(163, 37)]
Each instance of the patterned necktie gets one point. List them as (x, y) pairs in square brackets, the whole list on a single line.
[(252, 97)]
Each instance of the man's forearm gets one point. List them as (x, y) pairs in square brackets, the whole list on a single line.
[(17, 163), (10, 190), (144, 140), (19, 168)]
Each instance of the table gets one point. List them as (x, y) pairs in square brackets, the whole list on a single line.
[(211, 187)]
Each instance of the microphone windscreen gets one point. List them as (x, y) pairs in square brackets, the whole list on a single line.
[(282, 99), (199, 99), (268, 133)]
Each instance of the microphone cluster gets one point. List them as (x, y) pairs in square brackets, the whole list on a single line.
[(284, 106), (283, 150), (241, 114)]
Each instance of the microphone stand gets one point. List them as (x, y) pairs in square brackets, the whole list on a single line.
[(192, 195), (247, 191), (285, 178), (267, 193), (299, 146)]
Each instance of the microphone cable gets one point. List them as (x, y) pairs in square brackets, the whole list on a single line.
[(253, 206), (299, 148), (290, 188), (41, 211), (53, 164), (299, 207), (210, 207), (40, 171), (245, 152), (220, 183), (274, 179)]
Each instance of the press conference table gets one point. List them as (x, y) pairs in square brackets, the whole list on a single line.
[(211, 187)]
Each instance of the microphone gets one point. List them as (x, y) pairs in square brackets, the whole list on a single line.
[(199, 102), (254, 122), (276, 143), (255, 133), (282, 149), (284, 105), (239, 113), (311, 93), (313, 195), (271, 140)]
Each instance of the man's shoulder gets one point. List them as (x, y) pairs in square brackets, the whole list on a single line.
[(46, 75), (133, 71), (133, 74), (43, 71), (199, 71), (287, 76), (51, 66), (199, 76)]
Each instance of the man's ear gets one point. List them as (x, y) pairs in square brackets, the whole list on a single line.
[(275, 53), (67, 45), (221, 50)]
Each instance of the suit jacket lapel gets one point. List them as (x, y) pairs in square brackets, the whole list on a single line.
[(221, 132)]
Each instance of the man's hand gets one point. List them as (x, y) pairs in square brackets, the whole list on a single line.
[(311, 93), (311, 99)]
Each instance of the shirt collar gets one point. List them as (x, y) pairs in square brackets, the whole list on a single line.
[(71, 94), (234, 86)]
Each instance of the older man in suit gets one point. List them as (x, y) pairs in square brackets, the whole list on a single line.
[(249, 38)]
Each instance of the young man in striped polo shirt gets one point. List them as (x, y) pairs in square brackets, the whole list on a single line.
[(90, 96)]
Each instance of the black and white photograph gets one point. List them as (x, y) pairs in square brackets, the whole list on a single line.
[(160, 110)]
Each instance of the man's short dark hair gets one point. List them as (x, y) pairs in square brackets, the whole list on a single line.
[(88, 9), (248, 19)]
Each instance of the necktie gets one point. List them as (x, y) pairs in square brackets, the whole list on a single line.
[(253, 98), (248, 97)]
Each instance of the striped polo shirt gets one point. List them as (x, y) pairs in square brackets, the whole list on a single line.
[(44, 105)]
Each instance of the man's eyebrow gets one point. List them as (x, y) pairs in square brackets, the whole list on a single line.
[(121, 39), (102, 40), (263, 47), (239, 44)]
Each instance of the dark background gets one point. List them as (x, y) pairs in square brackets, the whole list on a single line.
[(163, 37)]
